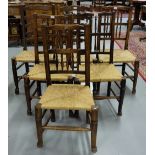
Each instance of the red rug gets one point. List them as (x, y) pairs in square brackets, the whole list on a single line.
[(138, 48)]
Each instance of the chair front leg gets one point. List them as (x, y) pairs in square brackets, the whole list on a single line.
[(15, 77), (26, 67), (27, 94), (52, 115), (123, 68), (136, 67), (94, 87), (98, 86), (39, 88), (109, 89), (87, 117), (122, 93), (38, 119), (93, 125)]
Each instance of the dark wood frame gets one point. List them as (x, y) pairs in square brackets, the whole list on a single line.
[(92, 115), (59, 19), (135, 67), (107, 35)]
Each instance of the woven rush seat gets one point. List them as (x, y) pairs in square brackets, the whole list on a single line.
[(92, 58), (38, 73), (25, 56), (67, 96), (102, 72), (29, 56), (119, 56)]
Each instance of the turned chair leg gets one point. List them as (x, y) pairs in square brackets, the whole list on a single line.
[(94, 123), (98, 86), (27, 67), (15, 77), (52, 115), (76, 114), (94, 87), (87, 117), (39, 88), (109, 88), (38, 119), (27, 94), (123, 68), (136, 67), (122, 93)]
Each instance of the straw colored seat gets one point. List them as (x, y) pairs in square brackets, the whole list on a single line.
[(92, 58), (119, 56), (28, 56), (102, 72), (38, 73), (67, 97)]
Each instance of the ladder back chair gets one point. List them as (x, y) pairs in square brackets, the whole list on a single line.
[(66, 96), (26, 56), (105, 71), (123, 57), (37, 72)]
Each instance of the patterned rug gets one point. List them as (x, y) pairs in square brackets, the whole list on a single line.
[(138, 48)]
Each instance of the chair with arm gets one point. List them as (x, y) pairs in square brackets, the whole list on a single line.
[(66, 96), (26, 56)]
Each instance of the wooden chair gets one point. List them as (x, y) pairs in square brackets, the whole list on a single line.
[(66, 96), (123, 57), (27, 56), (105, 71), (37, 72)]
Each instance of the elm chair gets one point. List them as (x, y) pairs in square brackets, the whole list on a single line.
[(123, 57), (37, 72), (25, 57), (106, 71), (66, 96)]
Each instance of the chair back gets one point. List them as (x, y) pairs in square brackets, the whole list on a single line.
[(123, 24), (44, 19), (104, 34), (63, 45)]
